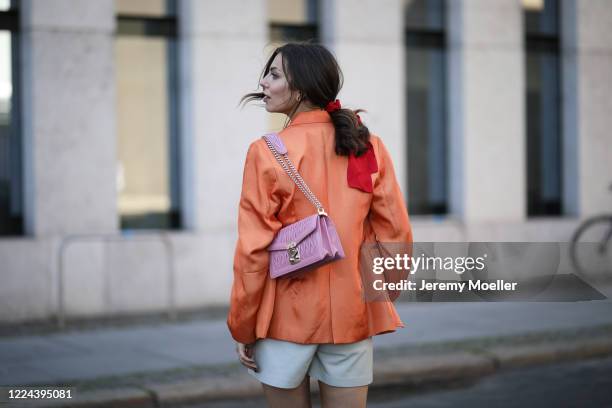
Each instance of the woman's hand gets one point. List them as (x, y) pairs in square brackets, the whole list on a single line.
[(245, 354)]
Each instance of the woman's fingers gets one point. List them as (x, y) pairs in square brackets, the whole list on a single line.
[(250, 365), (245, 352), (248, 350)]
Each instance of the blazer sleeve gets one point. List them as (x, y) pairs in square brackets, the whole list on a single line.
[(388, 212), (257, 226)]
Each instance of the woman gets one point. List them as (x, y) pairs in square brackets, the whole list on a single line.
[(315, 324)]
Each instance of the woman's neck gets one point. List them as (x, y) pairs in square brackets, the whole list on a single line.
[(303, 107)]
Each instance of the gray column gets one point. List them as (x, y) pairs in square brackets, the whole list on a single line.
[(367, 38), (587, 106), (487, 110), (222, 55), (68, 116)]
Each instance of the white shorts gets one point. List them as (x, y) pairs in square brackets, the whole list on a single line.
[(284, 364)]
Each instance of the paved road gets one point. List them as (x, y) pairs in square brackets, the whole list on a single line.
[(581, 384), (91, 354)]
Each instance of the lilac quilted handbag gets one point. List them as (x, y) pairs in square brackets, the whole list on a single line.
[(309, 242)]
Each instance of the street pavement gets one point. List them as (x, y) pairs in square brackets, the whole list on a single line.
[(104, 356), (579, 384)]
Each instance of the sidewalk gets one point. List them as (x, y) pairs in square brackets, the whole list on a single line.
[(157, 363)]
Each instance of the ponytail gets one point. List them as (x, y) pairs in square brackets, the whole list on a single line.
[(352, 136)]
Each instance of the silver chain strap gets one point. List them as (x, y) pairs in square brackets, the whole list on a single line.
[(287, 165)]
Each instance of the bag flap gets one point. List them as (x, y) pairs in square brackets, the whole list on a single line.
[(295, 232)]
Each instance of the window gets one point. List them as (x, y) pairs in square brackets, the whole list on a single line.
[(11, 182), (293, 20), (541, 23), (146, 58), (425, 106)]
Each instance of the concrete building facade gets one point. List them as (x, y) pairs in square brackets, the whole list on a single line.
[(73, 260)]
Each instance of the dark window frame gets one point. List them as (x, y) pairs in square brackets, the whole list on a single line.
[(424, 38), (427, 39), (143, 25), (9, 21), (165, 27), (539, 42), (294, 32)]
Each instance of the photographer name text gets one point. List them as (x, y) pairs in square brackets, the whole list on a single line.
[(478, 285)]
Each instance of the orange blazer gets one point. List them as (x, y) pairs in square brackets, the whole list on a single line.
[(323, 305)]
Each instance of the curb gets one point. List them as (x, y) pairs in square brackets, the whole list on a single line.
[(118, 397), (410, 369), (217, 388), (419, 370), (507, 357)]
